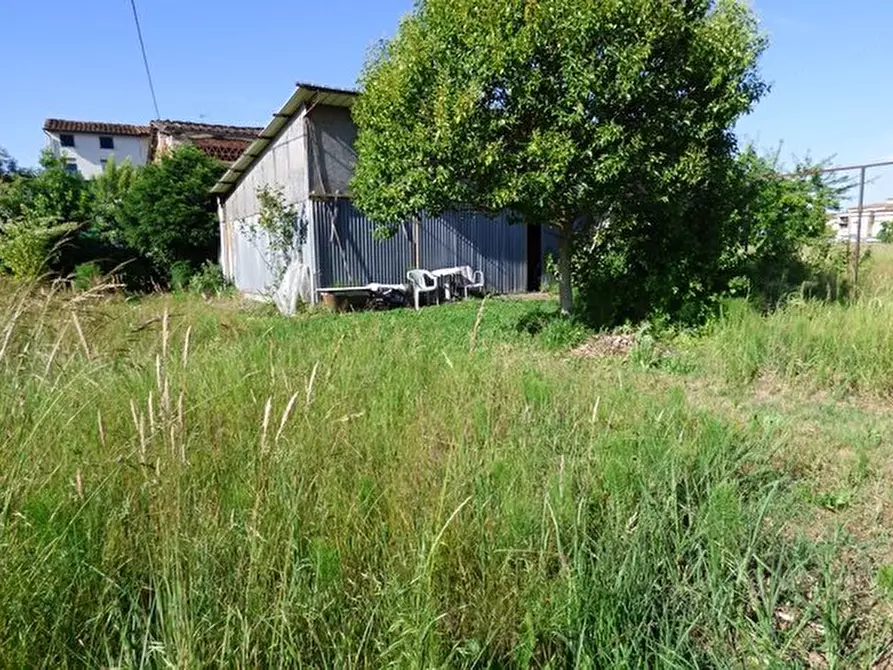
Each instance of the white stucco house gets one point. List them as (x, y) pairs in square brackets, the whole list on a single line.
[(86, 146), (845, 223)]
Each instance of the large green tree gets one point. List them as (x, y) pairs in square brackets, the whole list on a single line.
[(567, 112)]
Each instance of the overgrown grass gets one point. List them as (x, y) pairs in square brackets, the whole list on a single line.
[(846, 347), (186, 483)]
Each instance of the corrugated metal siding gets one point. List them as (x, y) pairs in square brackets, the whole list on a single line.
[(490, 244), (347, 252), (352, 256), (246, 257)]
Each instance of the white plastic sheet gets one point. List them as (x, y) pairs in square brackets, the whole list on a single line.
[(296, 286)]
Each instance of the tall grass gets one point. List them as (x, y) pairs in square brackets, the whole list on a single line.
[(843, 346), (185, 485)]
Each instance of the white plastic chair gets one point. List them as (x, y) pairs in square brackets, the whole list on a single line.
[(477, 282), (421, 281)]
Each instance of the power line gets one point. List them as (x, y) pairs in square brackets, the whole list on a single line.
[(139, 33)]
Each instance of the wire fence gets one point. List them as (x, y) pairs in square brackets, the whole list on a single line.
[(867, 212)]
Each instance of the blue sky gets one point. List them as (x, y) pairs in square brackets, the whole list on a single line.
[(235, 62)]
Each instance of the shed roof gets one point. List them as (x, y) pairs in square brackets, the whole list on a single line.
[(304, 94), (94, 127)]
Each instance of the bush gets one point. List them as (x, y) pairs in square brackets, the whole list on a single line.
[(169, 214), (181, 273), (28, 245), (747, 229), (86, 276), (209, 279)]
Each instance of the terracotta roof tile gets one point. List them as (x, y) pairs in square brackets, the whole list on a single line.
[(226, 150), (94, 127)]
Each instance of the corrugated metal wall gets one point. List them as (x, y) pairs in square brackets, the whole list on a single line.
[(348, 253), (463, 237), (245, 257)]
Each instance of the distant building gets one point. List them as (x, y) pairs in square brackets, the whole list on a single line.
[(225, 143), (845, 223), (86, 146)]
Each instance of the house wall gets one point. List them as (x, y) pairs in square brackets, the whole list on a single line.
[(246, 258), (845, 224), (88, 156), (331, 137)]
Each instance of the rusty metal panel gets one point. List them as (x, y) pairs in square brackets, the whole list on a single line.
[(347, 251)]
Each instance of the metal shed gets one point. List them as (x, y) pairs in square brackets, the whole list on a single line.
[(307, 150)]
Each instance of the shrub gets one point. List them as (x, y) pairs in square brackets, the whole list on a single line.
[(86, 276), (208, 279), (110, 190), (169, 214), (748, 229), (28, 245), (181, 273)]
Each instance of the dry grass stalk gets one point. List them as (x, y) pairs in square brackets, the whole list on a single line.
[(80, 332), (477, 324), (185, 359), (55, 349), (165, 333), (265, 425), (151, 406), (310, 383), (181, 425), (101, 428), (285, 414)]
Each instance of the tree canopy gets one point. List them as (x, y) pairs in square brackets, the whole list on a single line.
[(8, 165), (564, 112)]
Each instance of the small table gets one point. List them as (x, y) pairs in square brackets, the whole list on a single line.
[(447, 276)]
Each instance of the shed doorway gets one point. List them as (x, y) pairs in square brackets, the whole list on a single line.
[(534, 258)]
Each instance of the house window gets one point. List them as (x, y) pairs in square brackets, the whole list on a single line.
[(71, 166), (106, 143), (102, 163), (844, 222), (66, 140)]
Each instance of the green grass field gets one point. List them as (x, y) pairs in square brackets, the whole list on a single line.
[(190, 483)]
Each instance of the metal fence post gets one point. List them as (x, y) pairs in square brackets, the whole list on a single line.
[(859, 229)]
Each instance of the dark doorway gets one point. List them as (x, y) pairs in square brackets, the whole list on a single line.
[(534, 258)]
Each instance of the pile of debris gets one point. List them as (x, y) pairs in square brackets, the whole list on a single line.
[(607, 344)]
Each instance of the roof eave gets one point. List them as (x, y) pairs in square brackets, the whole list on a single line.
[(303, 94)]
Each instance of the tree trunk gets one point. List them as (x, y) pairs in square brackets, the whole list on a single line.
[(565, 291)]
